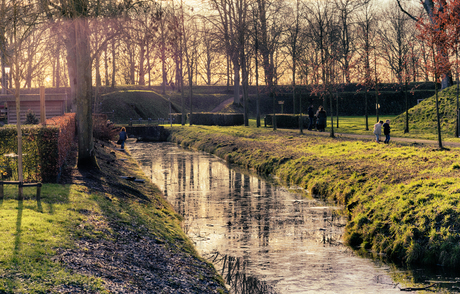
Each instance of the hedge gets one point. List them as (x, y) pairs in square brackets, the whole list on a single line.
[(286, 121), (44, 148), (217, 119)]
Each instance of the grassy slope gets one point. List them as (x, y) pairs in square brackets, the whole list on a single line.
[(32, 232), (135, 104), (402, 200), (422, 117)]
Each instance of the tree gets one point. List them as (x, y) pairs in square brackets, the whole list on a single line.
[(367, 23), (346, 10), (75, 15), (440, 33), (432, 12), (19, 21)]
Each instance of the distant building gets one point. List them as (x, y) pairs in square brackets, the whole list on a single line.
[(54, 105)]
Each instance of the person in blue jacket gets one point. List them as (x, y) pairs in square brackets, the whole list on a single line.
[(123, 137)]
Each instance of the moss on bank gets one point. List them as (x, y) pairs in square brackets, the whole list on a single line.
[(402, 201)]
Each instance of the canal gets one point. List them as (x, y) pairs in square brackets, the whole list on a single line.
[(261, 237)]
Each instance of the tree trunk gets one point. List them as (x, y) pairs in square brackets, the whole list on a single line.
[(406, 129), (141, 65), (86, 157), (113, 63), (365, 109), (236, 82), (58, 65), (69, 42)]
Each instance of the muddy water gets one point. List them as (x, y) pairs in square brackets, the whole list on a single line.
[(261, 237)]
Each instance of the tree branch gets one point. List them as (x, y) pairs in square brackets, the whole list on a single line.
[(404, 11)]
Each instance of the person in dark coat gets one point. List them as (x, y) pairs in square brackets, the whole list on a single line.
[(321, 118), (123, 137), (386, 131), (311, 116)]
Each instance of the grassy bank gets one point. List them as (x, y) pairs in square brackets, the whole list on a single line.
[(98, 233), (402, 201)]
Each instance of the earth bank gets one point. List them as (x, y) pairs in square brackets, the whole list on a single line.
[(401, 200), (99, 232)]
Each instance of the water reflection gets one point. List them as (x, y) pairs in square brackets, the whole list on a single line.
[(259, 236), (233, 271)]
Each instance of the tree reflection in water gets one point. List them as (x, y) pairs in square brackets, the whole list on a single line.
[(234, 273)]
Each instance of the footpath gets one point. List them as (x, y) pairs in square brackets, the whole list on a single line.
[(370, 137)]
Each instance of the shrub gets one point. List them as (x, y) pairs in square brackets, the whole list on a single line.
[(44, 148), (103, 129), (31, 118)]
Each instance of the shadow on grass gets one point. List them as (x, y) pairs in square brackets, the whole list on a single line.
[(17, 239)]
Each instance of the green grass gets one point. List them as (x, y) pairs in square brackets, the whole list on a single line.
[(32, 233), (402, 200), (127, 102)]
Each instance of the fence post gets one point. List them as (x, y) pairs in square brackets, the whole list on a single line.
[(1, 190), (39, 189)]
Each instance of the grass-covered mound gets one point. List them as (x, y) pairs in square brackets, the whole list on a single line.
[(422, 117), (402, 201), (135, 104), (125, 103)]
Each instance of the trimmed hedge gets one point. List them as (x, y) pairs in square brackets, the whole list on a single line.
[(286, 121), (45, 149), (177, 118), (217, 119)]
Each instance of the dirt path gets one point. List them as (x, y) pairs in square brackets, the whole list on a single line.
[(222, 105)]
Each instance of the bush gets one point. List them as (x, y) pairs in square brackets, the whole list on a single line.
[(44, 148), (31, 118), (103, 129)]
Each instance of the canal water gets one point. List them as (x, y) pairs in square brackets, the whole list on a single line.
[(261, 237)]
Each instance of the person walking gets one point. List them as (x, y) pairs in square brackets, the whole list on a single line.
[(311, 116), (321, 118), (123, 137), (378, 131), (386, 131)]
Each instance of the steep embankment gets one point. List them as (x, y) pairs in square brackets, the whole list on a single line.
[(402, 201)]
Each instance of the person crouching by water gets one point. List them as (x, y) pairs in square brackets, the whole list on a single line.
[(386, 131), (378, 131), (123, 137), (321, 118)]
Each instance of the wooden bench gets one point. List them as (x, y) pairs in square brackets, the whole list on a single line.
[(21, 184)]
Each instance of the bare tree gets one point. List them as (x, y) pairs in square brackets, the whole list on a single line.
[(346, 11), (209, 60), (429, 7), (368, 23), (76, 14), (18, 24)]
